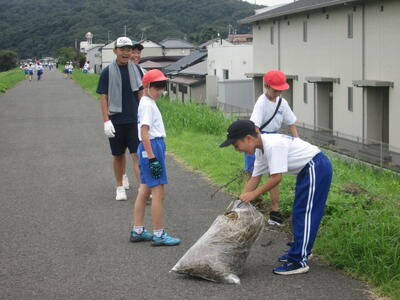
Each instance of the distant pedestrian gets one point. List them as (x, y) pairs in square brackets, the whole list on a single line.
[(270, 112), (66, 70), (26, 71), (39, 70), (31, 69), (118, 87), (153, 172), (277, 154), (86, 67)]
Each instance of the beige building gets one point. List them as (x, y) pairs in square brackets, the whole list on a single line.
[(342, 61)]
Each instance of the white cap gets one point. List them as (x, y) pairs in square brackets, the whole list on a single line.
[(122, 42)]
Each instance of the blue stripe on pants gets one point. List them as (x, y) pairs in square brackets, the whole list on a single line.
[(312, 188)]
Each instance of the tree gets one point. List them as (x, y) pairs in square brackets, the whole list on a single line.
[(65, 54), (8, 60)]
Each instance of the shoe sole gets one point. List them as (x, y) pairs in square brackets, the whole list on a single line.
[(124, 199), (161, 244), (293, 272), (138, 240), (271, 222)]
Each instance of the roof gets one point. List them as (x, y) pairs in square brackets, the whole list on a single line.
[(186, 61), (293, 8), (186, 80), (199, 69), (155, 65), (176, 44)]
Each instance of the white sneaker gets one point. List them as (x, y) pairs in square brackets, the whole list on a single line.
[(121, 194), (125, 182)]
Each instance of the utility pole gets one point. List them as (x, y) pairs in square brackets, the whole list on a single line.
[(108, 36), (124, 30)]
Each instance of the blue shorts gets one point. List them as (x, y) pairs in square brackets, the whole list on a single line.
[(158, 147), (30, 72), (70, 72), (26, 72), (250, 158)]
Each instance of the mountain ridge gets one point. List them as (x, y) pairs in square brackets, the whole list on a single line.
[(41, 27)]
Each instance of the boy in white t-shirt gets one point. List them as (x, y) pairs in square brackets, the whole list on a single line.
[(153, 172), (277, 154), (267, 121)]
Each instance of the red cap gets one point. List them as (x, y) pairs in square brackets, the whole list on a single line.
[(153, 76), (276, 80)]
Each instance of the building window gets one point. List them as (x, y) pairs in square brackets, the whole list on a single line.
[(215, 72), (272, 35), (225, 74), (305, 92), (305, 31), (173, 88), (183, 88), (350, 99), (350, 26)]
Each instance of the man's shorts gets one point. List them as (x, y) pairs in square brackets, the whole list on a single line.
[(126, 136), (158, 147)]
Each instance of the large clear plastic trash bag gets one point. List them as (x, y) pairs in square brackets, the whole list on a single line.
[(220, 254)]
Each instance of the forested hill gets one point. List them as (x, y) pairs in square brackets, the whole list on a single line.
[(40, 27)]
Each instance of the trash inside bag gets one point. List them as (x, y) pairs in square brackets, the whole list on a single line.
[(220, 254)]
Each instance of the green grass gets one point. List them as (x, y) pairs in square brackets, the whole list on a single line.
[(10, 78), (360, 232), (88, 81)]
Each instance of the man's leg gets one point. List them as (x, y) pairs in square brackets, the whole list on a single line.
[(312, 188), (118, 163)]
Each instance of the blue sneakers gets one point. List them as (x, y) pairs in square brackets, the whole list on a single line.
[(165, 240), (143, 237), (291, 268)]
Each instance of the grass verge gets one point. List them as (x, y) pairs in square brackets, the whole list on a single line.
[(360, 232), (10, 78)]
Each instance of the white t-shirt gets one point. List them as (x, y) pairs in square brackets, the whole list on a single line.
[(265, 108), (149, 114), (283, 154)]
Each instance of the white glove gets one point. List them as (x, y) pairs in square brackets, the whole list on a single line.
[(109, 129)]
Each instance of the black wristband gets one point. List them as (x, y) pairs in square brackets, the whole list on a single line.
[(152, 159)]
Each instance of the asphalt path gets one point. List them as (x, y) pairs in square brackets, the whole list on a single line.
[(63, 236)]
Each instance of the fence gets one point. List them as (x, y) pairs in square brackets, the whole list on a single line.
[(367, 150)]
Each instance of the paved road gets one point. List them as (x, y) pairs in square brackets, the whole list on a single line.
[(64, 237)]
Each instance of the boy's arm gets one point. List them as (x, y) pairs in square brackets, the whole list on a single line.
[(104, 106), (293, 130), (250, 195), (144, 133)]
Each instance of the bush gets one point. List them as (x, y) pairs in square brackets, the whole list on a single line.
[(8, 60)]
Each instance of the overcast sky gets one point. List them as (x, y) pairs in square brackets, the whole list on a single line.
[(269, 2)]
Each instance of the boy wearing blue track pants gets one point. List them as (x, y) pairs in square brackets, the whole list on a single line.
[(277, 154), (271, 111), (153, 172)]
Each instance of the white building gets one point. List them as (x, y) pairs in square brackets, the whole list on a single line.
[(227, 84), (177, 47), (107, 54), (151, 49), (93, 55), (342, 59)]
